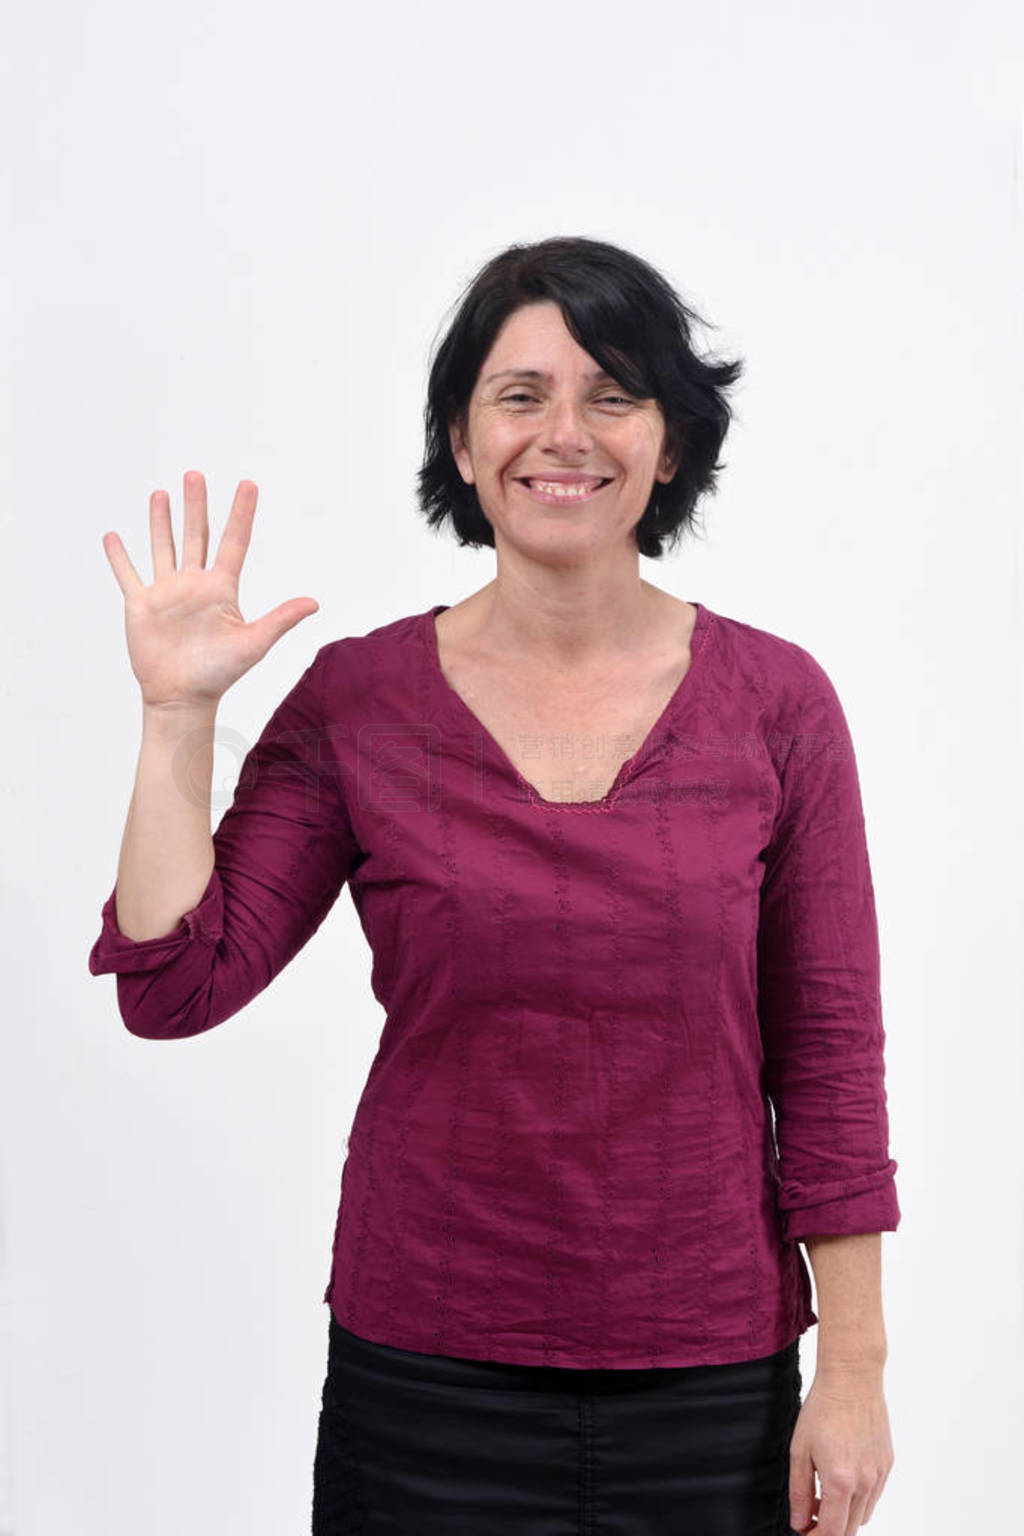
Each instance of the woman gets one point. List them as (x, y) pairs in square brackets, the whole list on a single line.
[(608, 849)]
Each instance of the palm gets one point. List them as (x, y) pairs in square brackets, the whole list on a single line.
[(186, 636)]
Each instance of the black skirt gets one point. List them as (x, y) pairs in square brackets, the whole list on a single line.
[(413, 1444)]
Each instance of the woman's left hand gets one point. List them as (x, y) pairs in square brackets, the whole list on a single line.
[(842, 1433)]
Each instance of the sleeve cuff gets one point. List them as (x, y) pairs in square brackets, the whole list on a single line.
[(865, 1204), (114, 951)]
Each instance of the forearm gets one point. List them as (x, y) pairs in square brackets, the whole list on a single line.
[(848, 1281), (167, 850)]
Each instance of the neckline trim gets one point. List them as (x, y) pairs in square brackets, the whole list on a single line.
[(654, 741)]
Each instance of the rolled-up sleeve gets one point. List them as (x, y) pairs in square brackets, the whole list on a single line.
[(819, 994), (282, 852)]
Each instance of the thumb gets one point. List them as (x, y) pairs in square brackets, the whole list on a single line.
[(268, 630), (801, 1489)]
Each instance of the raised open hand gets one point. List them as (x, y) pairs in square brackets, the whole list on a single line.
[(187, 639)]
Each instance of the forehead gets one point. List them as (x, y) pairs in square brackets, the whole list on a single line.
[(534, 340)]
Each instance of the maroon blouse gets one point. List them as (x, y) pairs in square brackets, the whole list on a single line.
[(564, 1153)]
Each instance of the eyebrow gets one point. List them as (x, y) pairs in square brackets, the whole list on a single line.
[(537, 373)]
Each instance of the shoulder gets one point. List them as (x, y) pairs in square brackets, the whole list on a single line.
[(363, 664), (783, 691), (779, 671)]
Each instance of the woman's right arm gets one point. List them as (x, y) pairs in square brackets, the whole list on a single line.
[(167, 853), (197, 925)]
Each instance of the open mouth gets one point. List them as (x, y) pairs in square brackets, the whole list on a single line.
[(554, 492)]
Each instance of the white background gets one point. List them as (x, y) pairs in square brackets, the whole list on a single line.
[(230, 238)]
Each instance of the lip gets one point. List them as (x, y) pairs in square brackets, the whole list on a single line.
[(552, 498)]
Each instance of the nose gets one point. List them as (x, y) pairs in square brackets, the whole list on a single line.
[(564, 431)]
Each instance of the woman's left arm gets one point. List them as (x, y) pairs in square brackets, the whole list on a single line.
[(842, 1431), (820, 1011)]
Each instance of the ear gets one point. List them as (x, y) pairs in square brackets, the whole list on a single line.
[(460, 453), (670, 461)]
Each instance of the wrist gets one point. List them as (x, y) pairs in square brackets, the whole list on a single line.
[(846, 1357), (177, 720)]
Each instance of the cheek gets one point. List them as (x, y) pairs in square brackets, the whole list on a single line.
[(646, 438), (507, 447)]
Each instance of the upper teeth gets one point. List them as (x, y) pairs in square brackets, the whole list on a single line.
[(562, 488)]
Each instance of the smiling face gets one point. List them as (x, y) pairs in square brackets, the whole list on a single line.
[(541, 416)]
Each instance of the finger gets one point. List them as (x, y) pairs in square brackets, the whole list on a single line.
[(834, 1513), (234, 541), (161, 534), (269, 629), (855, 1518), (873, 1498), (128, 578), (801, 1490), (196, 535), (810, 1526)]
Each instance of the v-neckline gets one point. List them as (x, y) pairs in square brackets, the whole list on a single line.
[(698, 638)]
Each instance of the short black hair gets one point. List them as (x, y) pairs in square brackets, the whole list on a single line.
[(630, 319)]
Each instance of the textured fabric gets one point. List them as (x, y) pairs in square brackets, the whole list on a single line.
[(633, 1048), (449, 1447)]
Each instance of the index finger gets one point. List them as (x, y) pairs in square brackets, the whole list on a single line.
[(234, 541)]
